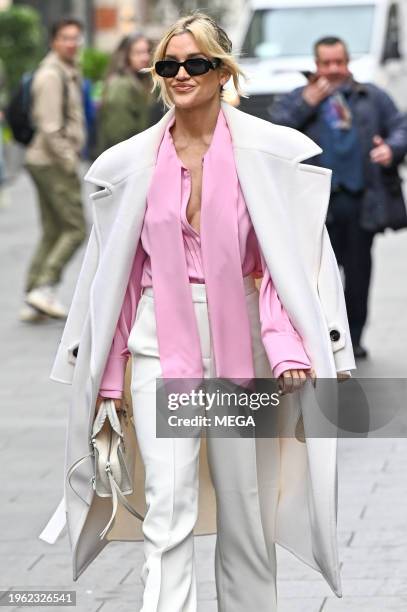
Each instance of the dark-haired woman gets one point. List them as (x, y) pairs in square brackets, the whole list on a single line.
[(127, 105)]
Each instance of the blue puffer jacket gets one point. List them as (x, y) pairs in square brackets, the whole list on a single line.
[(374, 113)]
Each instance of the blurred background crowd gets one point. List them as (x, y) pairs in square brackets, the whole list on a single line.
[(71, 86)]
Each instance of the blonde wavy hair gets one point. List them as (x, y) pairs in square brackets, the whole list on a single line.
[(212, 41)]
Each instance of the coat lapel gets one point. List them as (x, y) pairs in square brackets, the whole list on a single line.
[(117, 248), (118, 215), (285, 211)]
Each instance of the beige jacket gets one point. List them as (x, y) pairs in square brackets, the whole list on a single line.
[(57, 139)]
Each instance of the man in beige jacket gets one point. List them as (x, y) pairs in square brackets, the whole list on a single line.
[(52, 159)]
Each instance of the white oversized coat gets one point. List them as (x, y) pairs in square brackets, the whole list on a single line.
[(287, 201)]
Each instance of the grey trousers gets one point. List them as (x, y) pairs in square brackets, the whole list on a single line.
[(245, 557), (63, 224)]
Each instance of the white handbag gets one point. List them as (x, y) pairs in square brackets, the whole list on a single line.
[(113, 458)]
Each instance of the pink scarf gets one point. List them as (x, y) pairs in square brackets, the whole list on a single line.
[(177, 331)]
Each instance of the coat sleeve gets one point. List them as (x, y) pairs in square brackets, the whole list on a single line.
[(394, 125), (64, 363), (283, 345), (112, 383), (309, 191), (330, 290), (292, 110)]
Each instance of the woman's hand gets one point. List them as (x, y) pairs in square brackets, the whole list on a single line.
[(292, 380), (118, 402)]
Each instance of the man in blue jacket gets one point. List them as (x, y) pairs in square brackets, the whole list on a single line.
[(364, 138)]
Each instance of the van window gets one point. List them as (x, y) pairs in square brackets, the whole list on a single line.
[(391, 45), (287, 32)]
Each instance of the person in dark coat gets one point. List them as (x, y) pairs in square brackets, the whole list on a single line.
[(364, 138)]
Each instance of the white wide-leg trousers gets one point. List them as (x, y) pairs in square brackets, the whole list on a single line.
[(245, 560)]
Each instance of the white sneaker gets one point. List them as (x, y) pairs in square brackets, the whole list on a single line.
[(44, 299), (28, 314)]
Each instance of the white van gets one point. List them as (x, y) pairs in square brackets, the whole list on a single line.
[(275, 42)]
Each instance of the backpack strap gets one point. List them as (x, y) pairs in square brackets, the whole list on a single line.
[(65, 100), (65, 97)]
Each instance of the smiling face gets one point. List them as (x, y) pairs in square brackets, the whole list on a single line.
[(187, 91)]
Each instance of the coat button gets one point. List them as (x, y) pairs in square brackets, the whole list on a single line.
[(75, 351), (335, 335)]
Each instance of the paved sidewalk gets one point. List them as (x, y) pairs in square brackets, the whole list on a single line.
[(372, 473)]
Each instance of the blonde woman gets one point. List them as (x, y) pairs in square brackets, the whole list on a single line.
[(187, 214)]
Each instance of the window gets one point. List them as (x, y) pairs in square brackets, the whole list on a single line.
[(391, 45), (289, 32)]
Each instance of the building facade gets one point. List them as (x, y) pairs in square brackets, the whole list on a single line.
[(106, 21)]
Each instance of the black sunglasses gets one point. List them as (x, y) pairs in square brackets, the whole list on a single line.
[(194, 66)]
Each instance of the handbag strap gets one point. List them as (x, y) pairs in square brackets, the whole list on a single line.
[(71, 470), (117, 494)]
